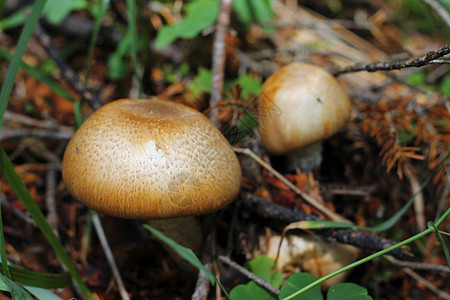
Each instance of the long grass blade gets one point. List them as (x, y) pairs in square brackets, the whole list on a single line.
[(378, 228), (24, 195), (42, 77), (25, 35), (39, 279), (5, 267)]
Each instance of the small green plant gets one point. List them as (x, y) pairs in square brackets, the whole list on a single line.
[(298, 281), (202, 14)]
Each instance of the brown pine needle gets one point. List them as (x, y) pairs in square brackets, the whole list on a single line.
[(332, 215)]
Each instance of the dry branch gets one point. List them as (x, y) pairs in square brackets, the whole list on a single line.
[(395, 64), (268, 209), (249, 275), (66, 71), (218, 58)]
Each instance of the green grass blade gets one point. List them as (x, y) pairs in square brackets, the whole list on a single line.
[(188, 255), (5, 267), (13, 20), (378, 228), (184, 252), (103, 4), (441, 241), (25, 35), (17, 292), (24, 195), (39, 279), (42, 77), (132, 35), (357, 263), (41, 294)]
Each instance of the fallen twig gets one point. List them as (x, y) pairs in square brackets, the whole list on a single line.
[(249, 275), (268, 209), (50, 185), (395, 64), (418, 265), (202, 285), (8, 134), (66, 71), (109, 256), (218, 58), (25, 120), (419, 202), (428, 284)]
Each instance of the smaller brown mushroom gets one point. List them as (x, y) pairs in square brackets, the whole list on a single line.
[(151, 159), (300, 106)]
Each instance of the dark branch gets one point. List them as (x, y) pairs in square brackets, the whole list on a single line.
[(250, 275), (268, 209), (66, 71), (395, 65), (419, 266)]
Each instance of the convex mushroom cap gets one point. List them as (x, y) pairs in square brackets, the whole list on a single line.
[(300, 104), (148, 159)]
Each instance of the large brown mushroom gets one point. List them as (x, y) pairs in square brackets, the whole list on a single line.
[(300, 106), (150, 159)]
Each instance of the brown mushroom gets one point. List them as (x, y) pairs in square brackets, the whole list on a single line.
[(300, 106), (150, 159), (302, 252)]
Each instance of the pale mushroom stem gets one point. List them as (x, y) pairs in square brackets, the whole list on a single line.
[(186, 231), (307, 158)]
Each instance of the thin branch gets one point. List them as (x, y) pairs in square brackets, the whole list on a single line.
[(428, 284), (419, 202), (109, 256), (16, 211), (249, 275), (66, 71), (395, 65), (202, 285), (440, 62), (50, 186), (268, 209), (8, 134), (418, 266), (218, 58), (25, 120)]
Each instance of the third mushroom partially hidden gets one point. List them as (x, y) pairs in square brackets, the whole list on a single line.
[(300, 106)]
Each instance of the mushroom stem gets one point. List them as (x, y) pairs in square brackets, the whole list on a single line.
[(307, 158), (186, 231)]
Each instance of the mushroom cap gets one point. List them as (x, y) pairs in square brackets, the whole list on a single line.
[(300, 104), (150, 159)]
